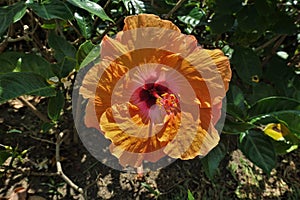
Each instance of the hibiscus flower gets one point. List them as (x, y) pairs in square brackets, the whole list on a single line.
[(155, 92)]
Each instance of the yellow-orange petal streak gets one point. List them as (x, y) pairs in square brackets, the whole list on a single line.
[(131, 135)]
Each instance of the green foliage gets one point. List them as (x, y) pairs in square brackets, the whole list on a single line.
[(15, 84), (54, 9), (91, 7), (211, 161), (44, 43), (55, 106), (259, 149)]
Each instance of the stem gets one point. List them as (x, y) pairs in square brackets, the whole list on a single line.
[(267, 43), (34, 110), (59, 167), (178, 4)]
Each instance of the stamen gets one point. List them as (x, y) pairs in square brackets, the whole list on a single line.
[(168, 101)]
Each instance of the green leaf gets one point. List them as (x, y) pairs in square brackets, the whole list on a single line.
[(53, 9), (20, 62), (235, 95), (19, 15), (84, 49), (137, 6), (150, 189), (36, 64), (284, 24), (92, 56), (46, 127), (193, 18), (275, 70), (247, 64), (85, 24), (249, 20), (91, 7), (221, 23), (67, 66), (283, 147), (265, 7), (8, 61), (15, 84), (212, 160), (55, 106), (291, 119), (258, 148), (3, 156), (228, 7), (236, 111), (273, 104), (236, 128), (10, 14), (190, 195), (62, 48), (259, 91)]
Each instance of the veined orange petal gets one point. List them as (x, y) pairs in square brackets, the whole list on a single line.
[(147, 20), (223, 65), (133, 136)]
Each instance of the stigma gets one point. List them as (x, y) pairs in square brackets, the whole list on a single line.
[(169, 102)]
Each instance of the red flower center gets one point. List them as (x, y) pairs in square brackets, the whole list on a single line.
[(150, 92)]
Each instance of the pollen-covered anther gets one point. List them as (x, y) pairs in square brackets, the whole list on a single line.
[(168, 101)]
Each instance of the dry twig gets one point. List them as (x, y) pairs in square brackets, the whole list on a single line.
[(178, 4), (34, 109), (59, 167)]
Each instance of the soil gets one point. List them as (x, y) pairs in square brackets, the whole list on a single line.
[(34, 168)]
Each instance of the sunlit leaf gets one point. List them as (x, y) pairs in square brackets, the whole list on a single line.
[(137, 6), (8, 61), (84, 49), (19, 15), (10, 14), (190, 195), (92, 56), (85, 24), (258, 148), (15, 84), (193, 17), (91, 7)]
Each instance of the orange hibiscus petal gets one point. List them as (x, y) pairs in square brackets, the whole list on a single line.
[(223, 65), (131, 136), (147, 20)]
